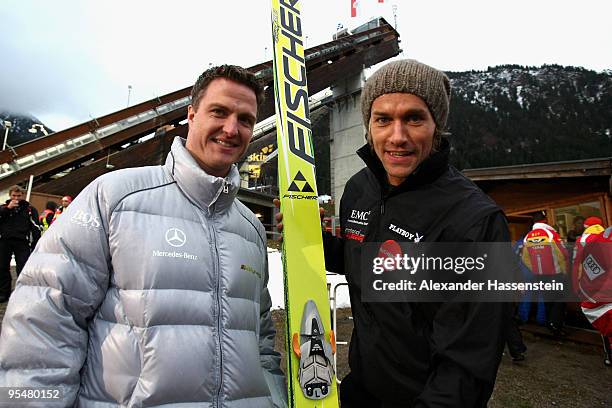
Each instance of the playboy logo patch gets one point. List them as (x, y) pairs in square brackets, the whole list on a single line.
[(412, 236)]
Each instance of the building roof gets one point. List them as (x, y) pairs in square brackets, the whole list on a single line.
[(573, 168)]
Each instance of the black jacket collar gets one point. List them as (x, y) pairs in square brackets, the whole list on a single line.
[(427, 172)]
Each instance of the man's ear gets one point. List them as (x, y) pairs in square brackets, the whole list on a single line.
[(190, 114), (368, 135)]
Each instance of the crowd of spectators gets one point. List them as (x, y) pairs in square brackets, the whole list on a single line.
[(580, 261)]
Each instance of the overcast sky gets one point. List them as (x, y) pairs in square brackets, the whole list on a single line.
[(66, 60)]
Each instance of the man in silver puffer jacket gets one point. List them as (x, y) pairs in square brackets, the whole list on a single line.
[(151, 290)]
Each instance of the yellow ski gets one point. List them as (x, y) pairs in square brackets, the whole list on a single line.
[(311, 381)]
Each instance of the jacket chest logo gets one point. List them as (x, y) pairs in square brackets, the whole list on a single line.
[(354, 234), (86, 220), (175, 237), (359, 217), (415, 237)]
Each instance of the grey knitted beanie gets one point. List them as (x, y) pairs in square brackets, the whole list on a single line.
[(413, 77)]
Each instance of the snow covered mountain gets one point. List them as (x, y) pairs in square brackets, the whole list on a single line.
[(514, 115), (505, 115), (23, 128)]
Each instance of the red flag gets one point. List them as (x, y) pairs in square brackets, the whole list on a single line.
[(354, 4)]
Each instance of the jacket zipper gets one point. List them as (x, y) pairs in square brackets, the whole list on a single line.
[(213, 247), (217, 272)]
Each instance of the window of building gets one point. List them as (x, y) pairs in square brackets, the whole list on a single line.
[(568, 220)]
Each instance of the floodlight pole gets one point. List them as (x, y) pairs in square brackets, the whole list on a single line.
[(394, 8), (129, 92), (7, 126), (30, 184)]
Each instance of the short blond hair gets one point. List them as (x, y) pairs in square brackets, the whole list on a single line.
[(16, 189)]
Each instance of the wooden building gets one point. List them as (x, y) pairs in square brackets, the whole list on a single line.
[(565, 190)]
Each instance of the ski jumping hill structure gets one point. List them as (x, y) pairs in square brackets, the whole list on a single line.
[(65, 162)]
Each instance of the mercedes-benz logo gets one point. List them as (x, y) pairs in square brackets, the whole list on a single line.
[(176, 237)]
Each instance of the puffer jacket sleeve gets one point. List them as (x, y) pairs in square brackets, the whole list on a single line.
[(270, 359), (44, 333)]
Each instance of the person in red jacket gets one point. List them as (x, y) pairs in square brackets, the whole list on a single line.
[(593, 281), (46, 217), (593, 227), (545, 256), (66, 200)]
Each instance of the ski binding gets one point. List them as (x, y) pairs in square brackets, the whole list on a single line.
[(316, 371)]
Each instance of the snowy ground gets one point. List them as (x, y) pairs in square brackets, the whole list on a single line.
[(276, 288)]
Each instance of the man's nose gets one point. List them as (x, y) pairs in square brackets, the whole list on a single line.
[(230, 127), (399, 133)]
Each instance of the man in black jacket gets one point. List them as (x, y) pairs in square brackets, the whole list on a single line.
[(412, 354), (19, 234)]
